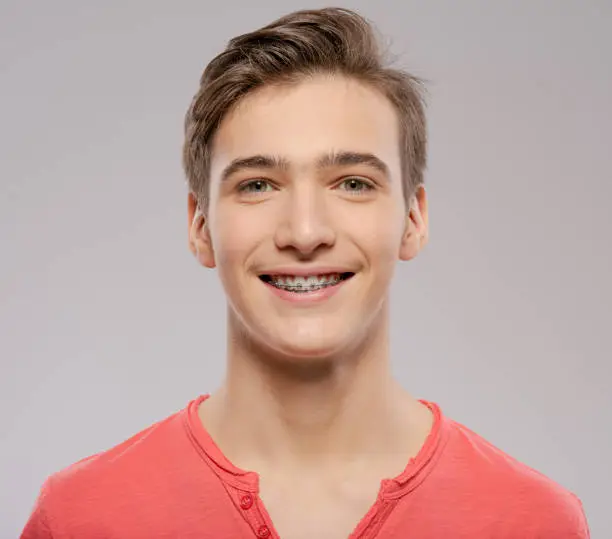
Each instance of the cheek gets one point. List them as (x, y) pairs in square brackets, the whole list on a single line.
[(379, 234), (385, 246), (235, 233)]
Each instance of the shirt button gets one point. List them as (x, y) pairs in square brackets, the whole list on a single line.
[(263, 532), (246, 502)]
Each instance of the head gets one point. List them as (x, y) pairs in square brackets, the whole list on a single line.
[(304, 154)]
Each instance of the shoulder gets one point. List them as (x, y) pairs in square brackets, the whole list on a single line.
[(77, 493), (136, 453), (530, 499)]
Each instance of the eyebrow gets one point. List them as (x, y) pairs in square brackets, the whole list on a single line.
[(342, 159), (329, 160), (254, 161)]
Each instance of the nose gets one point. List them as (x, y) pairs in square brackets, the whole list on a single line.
[(305, 225)]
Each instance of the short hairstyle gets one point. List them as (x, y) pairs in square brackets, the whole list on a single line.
[(301, 44)]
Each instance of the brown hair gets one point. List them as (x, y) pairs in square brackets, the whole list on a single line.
[(303, 43)]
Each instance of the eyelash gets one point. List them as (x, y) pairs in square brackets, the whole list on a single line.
[(366, 185), (244, 186)]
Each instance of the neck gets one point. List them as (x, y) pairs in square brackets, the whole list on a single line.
[(335, 409)]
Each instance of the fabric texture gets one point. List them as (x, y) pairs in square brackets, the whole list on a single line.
[(172, 481)]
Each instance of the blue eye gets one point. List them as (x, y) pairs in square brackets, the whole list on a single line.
[(255, 186), (356, 185)]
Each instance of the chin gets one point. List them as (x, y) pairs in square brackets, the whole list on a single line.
[(310, 347), (301, 352), (303, 362), (302, 339)]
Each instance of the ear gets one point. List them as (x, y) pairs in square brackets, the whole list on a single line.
[(416, 233), (200, 243)]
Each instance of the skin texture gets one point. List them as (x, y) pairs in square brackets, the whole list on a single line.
[(328, 413)]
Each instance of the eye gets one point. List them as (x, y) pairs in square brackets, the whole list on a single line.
[(356, 186), (255, 186)]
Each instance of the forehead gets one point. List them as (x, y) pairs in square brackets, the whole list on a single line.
[(303, 121)]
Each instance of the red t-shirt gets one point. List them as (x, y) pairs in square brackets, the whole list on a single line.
[(172, 481)]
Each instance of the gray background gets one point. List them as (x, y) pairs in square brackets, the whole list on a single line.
[(107, 324)]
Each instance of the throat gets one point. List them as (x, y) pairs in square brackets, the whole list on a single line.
[(303, 431)]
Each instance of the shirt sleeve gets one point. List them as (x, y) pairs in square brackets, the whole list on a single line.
[(570, 522), (581, 525), (37, 526)]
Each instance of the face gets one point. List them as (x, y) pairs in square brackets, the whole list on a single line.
[(307, 217)]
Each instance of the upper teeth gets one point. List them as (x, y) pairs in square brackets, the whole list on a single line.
[(305, 280)]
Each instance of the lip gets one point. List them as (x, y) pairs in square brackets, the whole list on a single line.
[(303, 271), (308, 298)]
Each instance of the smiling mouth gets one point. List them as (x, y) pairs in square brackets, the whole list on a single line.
[(307, 283)]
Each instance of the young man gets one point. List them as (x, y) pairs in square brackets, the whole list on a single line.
[(305, 158)]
